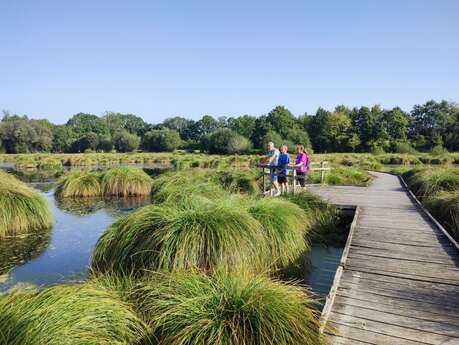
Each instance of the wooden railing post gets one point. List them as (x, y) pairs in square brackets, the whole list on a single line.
[(322, 173)]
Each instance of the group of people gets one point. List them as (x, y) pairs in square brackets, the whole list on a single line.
[(279, 161)]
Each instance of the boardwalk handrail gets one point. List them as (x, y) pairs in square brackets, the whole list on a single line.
[(291, 169)]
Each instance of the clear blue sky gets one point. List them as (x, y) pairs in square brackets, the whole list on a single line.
[(159, 59)]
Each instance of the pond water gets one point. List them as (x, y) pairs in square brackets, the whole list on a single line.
[(64, 252)]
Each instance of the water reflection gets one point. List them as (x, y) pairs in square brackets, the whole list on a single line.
[(65, 254), (86, 206)]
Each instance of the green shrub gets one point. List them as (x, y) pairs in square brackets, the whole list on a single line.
[(225, 141), (68, 314), (79, 184), (285, 226), (22, 209), (126, 181), (227, 309), (197, 232), (160, 140)]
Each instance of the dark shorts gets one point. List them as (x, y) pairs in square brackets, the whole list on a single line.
[(282, 179), (301, 178)]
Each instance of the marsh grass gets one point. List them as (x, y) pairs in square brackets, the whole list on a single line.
[(188, 307), (79, 184), (126, 181), (197, 232), (445, 207), (68, 314), (427, 182), (22, 209), (285, 227), (322, 217)]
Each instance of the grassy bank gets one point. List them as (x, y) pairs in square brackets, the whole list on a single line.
[(22, 209), (438, 190)]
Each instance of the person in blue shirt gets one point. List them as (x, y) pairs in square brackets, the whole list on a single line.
[(282, 172)]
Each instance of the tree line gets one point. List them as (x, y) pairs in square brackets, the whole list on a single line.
[(430, 126)]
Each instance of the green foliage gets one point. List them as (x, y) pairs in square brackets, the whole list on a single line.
[(160, 140), (227, 309), (68, 314), (285, 226), (131, 123), (126, 181), (123, 141), (430, 181), (22, 209), (197, 232), (81, 124), (445, 207), (79, 184), (225, 141)]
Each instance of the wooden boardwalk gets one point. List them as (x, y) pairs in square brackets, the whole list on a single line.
[(399, 278)]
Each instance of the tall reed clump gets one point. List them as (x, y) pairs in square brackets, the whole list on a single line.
[(323, 218), (187, 307), (445, 207), (126, 181), (79, 184), (22, 209), (285, 226), (183, 185), (197, 232), (430, 181), (68, 314)]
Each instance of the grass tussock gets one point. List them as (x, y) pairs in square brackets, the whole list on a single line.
[(323, 218), (68, 314), (445, 207), (198, 232), (22, 209), (429, 181), (80, 184), (285, 226), (227, 309), (126, 181), (179, 186)]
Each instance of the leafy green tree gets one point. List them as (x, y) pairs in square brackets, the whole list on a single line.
[(203, 127), (87, 142), (123, 141), (82, 123), (272, 136), (105, 144), (225, 141), (282, 121), (430, 122), (180, 124), (159, 140), (243, 125), (129, 122), (21, 135), (63, 137)]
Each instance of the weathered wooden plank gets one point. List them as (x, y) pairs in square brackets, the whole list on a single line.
[(364, 277), (398, 301), (397, 319), (395, 308), (403, 333), (337, 340), (406, 268)]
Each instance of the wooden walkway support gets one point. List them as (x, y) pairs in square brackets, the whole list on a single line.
[(398, 282)]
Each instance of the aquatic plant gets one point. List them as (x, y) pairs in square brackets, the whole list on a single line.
[(224, 308), (323, 218), (285, 226), (22, 209), (178, 186), (239, 181), (126, 181), (79, 184), (68, 314), (445, 207), (429, 181), (196, 232)]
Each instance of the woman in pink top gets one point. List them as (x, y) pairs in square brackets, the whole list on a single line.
[(301, 164)]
